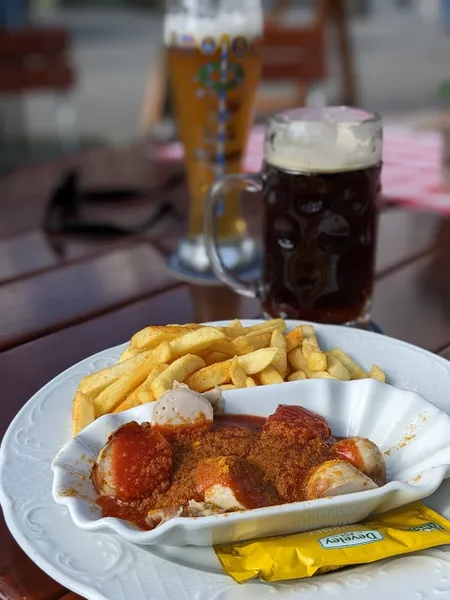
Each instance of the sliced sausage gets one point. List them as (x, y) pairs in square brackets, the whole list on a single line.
[(335, 478), (297, 424), (364, 455), (233, 483), (180, 407), (135, 461)]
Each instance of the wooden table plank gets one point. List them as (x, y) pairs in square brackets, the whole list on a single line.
[(413, 303), (404, 235), (24, 254), (34, 251), (56, 299), (25, 193), (445, 352)]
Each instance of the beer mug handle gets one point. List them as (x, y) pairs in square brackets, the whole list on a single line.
[(249, 183)]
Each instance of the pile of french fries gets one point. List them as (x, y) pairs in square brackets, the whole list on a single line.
[(205, 357)]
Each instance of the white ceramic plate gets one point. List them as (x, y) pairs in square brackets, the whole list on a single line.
[(105, 567), (413, 434)]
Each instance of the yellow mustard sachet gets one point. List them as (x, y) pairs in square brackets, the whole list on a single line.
[(399, 531)]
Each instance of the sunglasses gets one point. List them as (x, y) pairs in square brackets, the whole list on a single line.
[(63, 212)]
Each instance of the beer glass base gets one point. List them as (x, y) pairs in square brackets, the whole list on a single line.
[(363, 321), (190, 262), (238, 254)]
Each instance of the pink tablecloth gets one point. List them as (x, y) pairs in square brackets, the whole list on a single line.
[(412, 172)]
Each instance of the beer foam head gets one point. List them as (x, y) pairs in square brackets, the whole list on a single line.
[(194, 21), (329, 139)]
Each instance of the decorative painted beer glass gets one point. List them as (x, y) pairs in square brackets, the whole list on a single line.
[(214, 59), (320, 183)]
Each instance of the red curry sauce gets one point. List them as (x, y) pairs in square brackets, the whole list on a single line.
[(274, 471), (142, 459)]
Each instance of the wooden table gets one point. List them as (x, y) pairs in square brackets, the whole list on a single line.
[(62, 299)]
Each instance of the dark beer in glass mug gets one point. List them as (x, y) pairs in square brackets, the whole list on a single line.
[(320, 183)]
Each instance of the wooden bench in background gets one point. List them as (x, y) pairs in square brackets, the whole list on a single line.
[(298, 55), (35, 60), (38, 60)]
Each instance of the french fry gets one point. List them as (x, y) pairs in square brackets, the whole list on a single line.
[(317, 361), (128, 353), (297, 376), (143, 394), (155, 371), (252, 341), (310, 343), (376, 373), (162, 353), (355, 370), (299, 362), (83, 413), (146, 395), (290, 370), (235, 323), (336, 368), (294, 338), (269, 376), (205, 357), (152, 336), (207, 378), (131, 402), (179, 370), (272, 324), (278, 340), (257, 361), (267, 328), (234, 332), (246, 347), (92, 385), (250, 382), (215, 357), (237, 374), (280, 362), (308, 331), (118, 391), (195, 341), (224, 346), (320, 375)]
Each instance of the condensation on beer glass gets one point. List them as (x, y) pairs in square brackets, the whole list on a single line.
[(214, 61)]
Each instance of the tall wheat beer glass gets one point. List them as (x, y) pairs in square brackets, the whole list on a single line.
[(214, 58)]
